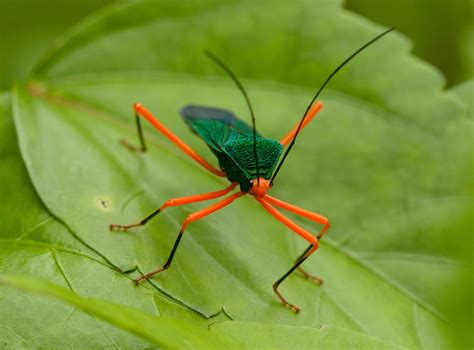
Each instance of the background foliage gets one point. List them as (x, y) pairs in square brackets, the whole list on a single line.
[(389, 161), (441, 33)]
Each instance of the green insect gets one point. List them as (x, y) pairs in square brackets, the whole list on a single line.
[(246, 158)]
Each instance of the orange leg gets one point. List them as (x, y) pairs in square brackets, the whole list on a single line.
[(315, 108), (308, 215), (190, 218), (301, 232), (142, 111), (174, 202), (301, 212)]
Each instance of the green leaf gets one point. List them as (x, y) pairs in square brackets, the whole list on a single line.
[(385, 161), (34, 243), (168, 332), (46, 248), (464, 92)]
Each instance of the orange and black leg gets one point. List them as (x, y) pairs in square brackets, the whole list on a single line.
[(267, 202), (308, 215), (174, 202), (141, 111), (315, 108), (301, 212), (142, 147), (316, 279), (190, 218), (311, 249)]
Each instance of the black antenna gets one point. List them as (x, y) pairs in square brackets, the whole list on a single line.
[(317, 94), (241, 88)]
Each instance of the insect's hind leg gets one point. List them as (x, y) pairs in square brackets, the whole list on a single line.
[(190, 218), (174, 202), (141, 111), (142, 147)]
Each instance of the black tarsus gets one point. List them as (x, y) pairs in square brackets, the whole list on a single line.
[(304, 253), (296, 264), (173, 250), (141, 223), (142, 147), (293, 268), (140, 132), (166, 265), (317, 94), (149, 217), (241, 88)]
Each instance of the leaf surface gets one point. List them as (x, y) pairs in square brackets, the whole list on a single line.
[(375, 162)]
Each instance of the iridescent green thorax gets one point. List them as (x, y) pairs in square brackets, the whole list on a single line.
[(231, 140)]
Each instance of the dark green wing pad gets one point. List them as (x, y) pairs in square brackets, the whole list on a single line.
[(231, 140), (213, 125)]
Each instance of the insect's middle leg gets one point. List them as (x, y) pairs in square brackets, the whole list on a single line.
[(190, 218), (174, 202)]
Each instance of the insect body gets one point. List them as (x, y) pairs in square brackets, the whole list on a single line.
[(247, 159), (231, 140)]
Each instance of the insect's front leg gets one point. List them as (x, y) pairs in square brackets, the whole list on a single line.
[(310, 250), (316, 279), (320, 219), (174, 202), (313, 240), (191, 218), (308, 215)]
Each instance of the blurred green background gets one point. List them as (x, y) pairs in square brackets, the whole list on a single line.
[(29, 27), (442, 31)]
